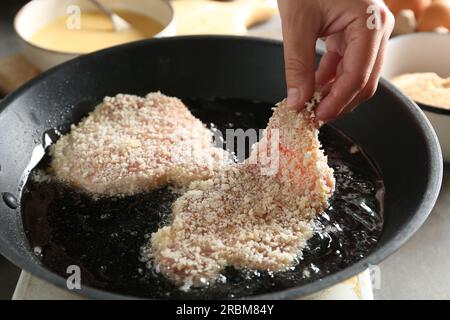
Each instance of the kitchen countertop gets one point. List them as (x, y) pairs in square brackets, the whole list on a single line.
[(419, 270)]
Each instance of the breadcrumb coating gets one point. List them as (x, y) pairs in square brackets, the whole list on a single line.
[(257, 215), (249, 215), (427, 87), (131, 144)]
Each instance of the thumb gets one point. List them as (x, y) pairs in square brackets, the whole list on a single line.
[(299, 57)]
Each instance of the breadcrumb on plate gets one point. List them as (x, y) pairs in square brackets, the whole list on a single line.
[(247, 216), (132, 144)]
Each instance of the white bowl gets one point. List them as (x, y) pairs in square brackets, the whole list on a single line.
[(423, 52), (38, 13)]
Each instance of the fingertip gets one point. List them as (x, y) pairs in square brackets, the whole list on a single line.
[(319, 123), (293, 98), (297, 97), (321, 117), (307, 93), (324, 114)]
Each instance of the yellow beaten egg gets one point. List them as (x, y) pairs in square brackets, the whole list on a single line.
[(94, 33)]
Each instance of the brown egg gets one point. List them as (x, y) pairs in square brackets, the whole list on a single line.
[(436, 15), (418, 6)]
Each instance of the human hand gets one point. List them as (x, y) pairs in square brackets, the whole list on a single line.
[(355, 43)]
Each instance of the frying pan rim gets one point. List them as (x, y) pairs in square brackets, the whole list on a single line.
[(435, 171)]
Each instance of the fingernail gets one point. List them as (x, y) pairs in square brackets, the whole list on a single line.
[(293, 97)]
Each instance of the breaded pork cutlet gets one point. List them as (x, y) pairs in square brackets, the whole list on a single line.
[(249, 215), (130, 144)]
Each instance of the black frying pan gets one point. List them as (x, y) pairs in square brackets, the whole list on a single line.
[(390, 127)]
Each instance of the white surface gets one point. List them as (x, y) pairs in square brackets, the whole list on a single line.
[(32, 288), (38, 13), (420, 269), (422, 52)]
